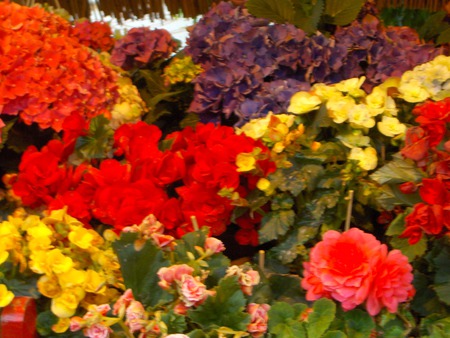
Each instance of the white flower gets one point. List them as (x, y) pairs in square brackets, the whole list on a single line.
[(391, 126), (367, 158)]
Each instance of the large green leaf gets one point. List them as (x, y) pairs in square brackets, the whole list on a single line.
[(342, 12), (359, 324), (225, 309), (442, 277), (286, 288), (410, 251), (283, 320), (391, 196), (275, 224), (279, 11), (175, 323), (97, 143), (320, 318), (444, 37), (139, 264), (307, 18), (399, 170)]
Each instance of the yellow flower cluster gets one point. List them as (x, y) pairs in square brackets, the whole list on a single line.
[(430, 80), (77, 265), (181, 70)]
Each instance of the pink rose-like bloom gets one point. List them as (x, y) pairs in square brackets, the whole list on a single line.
[(162, 240), (248, 280), (258, 319), (172, 274), (214, 245), (193, 292), (136, 316), (76, 323), (103, 309), (180, 309), (123, 302), (341, 267), (392, 284), (97, 331)]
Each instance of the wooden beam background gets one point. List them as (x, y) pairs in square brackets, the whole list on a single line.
[(135, 9)]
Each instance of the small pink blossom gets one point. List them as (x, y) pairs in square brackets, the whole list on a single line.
[(192, 291), (180, 309), (173, 274), (258, 319), (77, 323), (248, 280), (97, 331), (122, 303), (162, 240), (136, 316), (214, 245)]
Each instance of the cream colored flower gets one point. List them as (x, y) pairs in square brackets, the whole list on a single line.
[(391, 126), (352, 87), (359, 116), (338, 107), (304, 102), (325, 92), (367, 158)]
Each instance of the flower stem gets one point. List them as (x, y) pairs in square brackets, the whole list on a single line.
[(349, 209)]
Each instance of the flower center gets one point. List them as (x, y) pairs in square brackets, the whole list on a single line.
[(346, 257)]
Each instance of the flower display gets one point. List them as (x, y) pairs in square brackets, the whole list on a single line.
[(252, 68), (349, 267), (181, 70), (141, 46), (62, 76)]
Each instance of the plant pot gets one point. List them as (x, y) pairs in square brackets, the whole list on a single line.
[(18, 319)]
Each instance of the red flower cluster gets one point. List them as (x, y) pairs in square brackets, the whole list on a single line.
[(427, 145), (45, 73), (96, 35), (354, 267), (173, 184)]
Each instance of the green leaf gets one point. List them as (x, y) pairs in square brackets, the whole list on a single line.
[(197, 334), (359, 324), (187, 244), (44, 322), (279, 11), (410, 251), (390, 196), (283, 320), (442, 277), (397, 226), (308, 21), (175, 323), (287, 288), (4, 131), (140, 263), (444, 37), (334, 334), (399, 170), (342, 12), (320, 318), (275, 224), (97, 143), (226, 308)]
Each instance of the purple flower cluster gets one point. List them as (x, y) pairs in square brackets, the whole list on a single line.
[(253, 67), (142, 46)]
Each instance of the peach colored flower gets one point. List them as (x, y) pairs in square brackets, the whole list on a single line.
[(136, 316), (122, 303), (214, 245), (172, 274), (258, 319), (192, 291), (341, 267), (392, 284)]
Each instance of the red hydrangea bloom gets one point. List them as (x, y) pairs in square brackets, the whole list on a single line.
[(96, 35), (352, 266)]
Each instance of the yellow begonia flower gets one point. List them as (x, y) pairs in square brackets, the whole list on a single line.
[(9, 235), (325, 92), (256, 128), (338, 107), (359, 116), (6, 296), (367, 158), (81, 237), (66, 304), (265, 185), (72, 278), (61, 326), (58, 262), (3, 256), (304, 102), (352, 86), (391, 126), (95, 282), (40, 244), (245, 162), (413, 91), (49, 286), (38, 263)]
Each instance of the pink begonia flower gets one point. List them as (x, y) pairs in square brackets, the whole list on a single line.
[(122, 303), (258, 319), (162, 240), (341, 267), (103, 309), (180, 309), (192, 291), (248, 280), (136, 316), (392, 284), (76, 323), (214, 245), (172, 274), (97, 331), (177, 335), (353, 267)]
